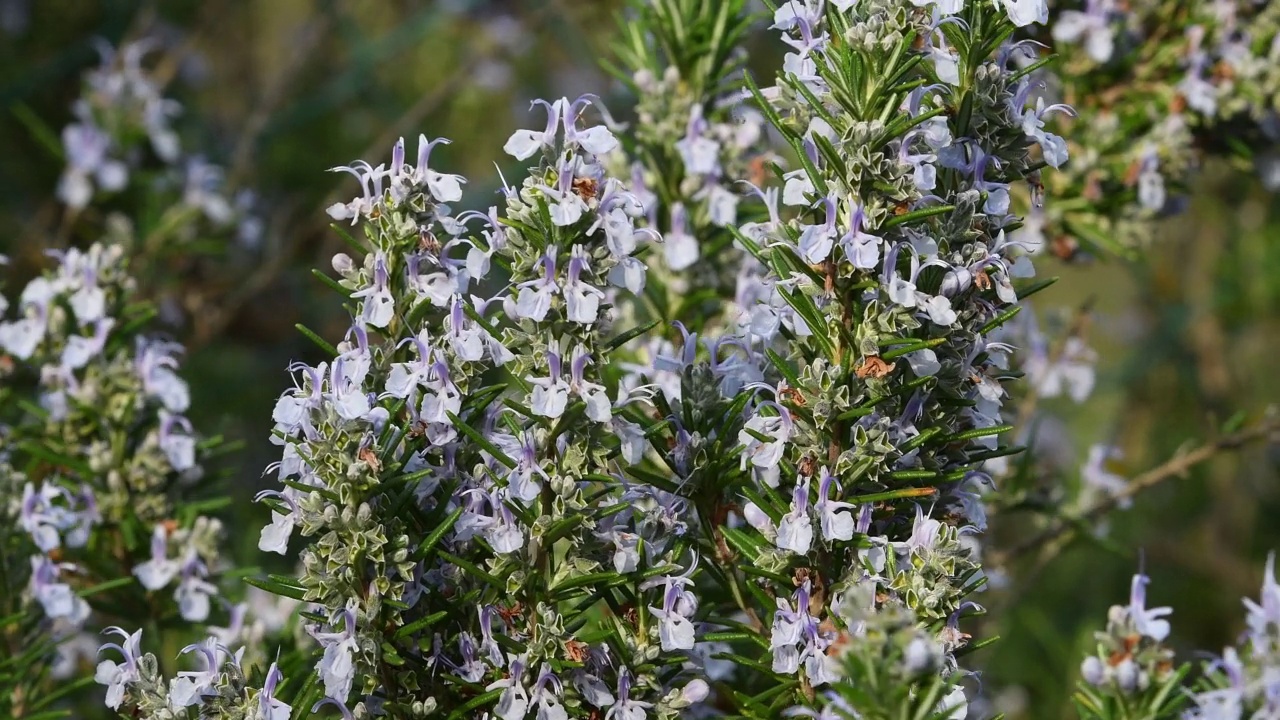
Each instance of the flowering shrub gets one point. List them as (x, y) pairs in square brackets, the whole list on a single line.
[(700, 419)]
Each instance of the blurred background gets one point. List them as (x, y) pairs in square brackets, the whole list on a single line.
[(278, 91)]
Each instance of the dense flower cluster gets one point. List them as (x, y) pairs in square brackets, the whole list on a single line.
[(1246, 682), (113, 400), (122, 128), (1156, 87), (102, 471), (129, 181), (684, 425), (1133, 670)]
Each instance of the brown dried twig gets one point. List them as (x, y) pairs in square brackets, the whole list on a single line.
[(1062, 529)]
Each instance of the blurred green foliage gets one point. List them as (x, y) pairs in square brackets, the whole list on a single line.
[(280, 90)]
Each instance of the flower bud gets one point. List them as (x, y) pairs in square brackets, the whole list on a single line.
[(342, 264), (1127, 675), (695, 692), (918, 657), (1092, 670)]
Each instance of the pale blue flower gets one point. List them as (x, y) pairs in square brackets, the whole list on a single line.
[(346, 395), (680, 247), (371, 185), (976, 167), (275, 536), (57, 599), (546, 693), (21, 337), (80, 349), (861, 248), (88, 164), (1151, 192), (550, 395), (946, 64), (624, 708), (292, 412), (595, 140), (441, 399), (1095, 474), (675, 631), (443, 187), (202, 185), (593, 394), (448, 278), (924, 363), (903, 292), (816, 241), (337, 667), (405, 379), (766, 454), (701, 154), (40, 518), (582, 299), (520, 480), (924, 534), (1093, 25), (534, 299), (795, 530), (634, 444), (191, 687), (159, 571), (155, 361), (513, 703), (1027, 12), (923, 174), (630, 273), (569, 207), (1201, 95), (193, 591), (471, 668), (118, 676), (835, 525), (489, 646), (797, 186), (503, 532), (1147, 622), (1092, 670), (379, 306), (177, 441), (955, 704), (1053, 147), (1264, 616), (269, 706), (524, 143), (796, 638)]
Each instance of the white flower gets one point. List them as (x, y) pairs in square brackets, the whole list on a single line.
[(116, 676), (765, 454), (795, 531), (1026, 12), (275, 536), (524, 143), (680, 248), (337, 666), (582, 299), (159, 571), (955, 704), (550, 395), (379, 306), (675, 631), (1147, 622), (193, 591)]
